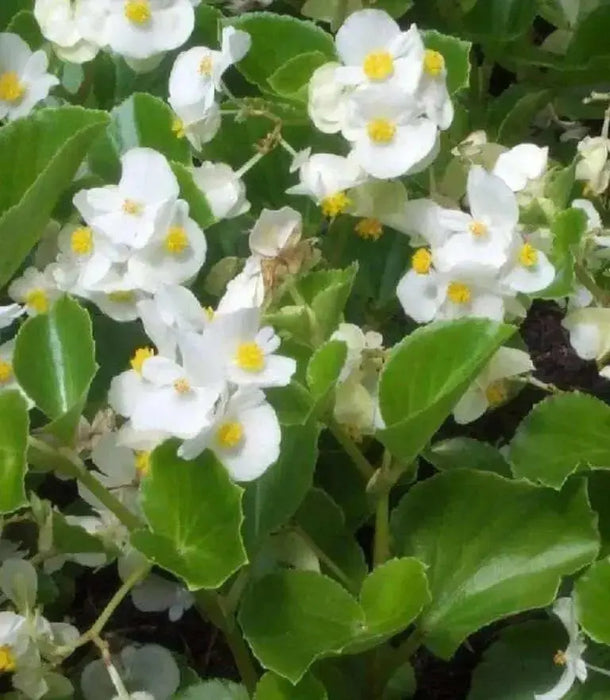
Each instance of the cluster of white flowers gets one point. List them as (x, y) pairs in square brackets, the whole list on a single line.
[(471, 264)]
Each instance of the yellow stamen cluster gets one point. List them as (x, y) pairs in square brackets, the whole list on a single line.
[(182, 386), (81, 241), (122, 297), (142, 459), (132, 207), (496, 393), (176, 241), (250, 357), (434, 63), (560, 658), (335, 204), (421, 261), (138, 11), (6, 372), (206, 65), (139, 358), (230, 434), (528, 255), (478, 229), (378, 65), (381, 130), (7, 659), (38, 300), (459, 293), (178, 128), (369, 228), (11, 88)]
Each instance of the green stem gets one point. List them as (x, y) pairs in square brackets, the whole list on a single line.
[(601, 297), (381, 545), (352, 450), (327, 561), (69, 464), (210, 604)]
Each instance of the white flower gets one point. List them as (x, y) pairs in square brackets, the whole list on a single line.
[(248, 351), (427, 222), (128, 213), (223, 190), (388, 136), (9, 314), (8, 380), (374, 49), (245, 436), (490, 388), (157, 594), (274, 230), (589, 330), (593, 166), (36, 290), (137, 29), (529, 270), (24, 80), (58, 23), (121, 304), (357, 342), (571, 659), (521, 164), (197, 126), (246, 289), (325, 178), (197, 72), (327, 101)]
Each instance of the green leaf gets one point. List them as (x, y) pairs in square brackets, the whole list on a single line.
[(592, 601), (216, 689), (207, 26), (466, 453), (499, 20), (561, 434), (590, 38), (402, 684), (199, 208), (324, 369), (426, 375), (73, 539), (292, 618), (599, 487), (516, 122), (24, 24), (9, 8), (14, 430), (275, 40), (272, 687), (559, 185), (392, 596), (273, 498), (51, 144), (567, 229), (292, 403), (292, 78), (194, 513), (457, 58), (493, 547), (322, 524), (54, 363)]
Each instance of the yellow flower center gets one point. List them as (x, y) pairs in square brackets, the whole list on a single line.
[(178, 128), (206, 65), (478, 229), (381, 130), (230, 434), (138, 11), (250, 357), (139, 358), (335, 204), (38, 300), (6, 372), (11, 88), (459, 293), (142, 458), (209, 312), (378, 65), (132, 207), (81, 241), (182, 386), (176, 240), (560, 658), (369, 228), (421, 261), (434, 63), (122, 297), (528, 255), (7, 659), (496, 393)]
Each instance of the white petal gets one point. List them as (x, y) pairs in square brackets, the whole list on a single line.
[(420, 295), (365, 31), (565, 682), (471, 406), (491, 199)]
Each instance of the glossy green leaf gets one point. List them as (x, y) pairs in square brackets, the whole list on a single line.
[(561, 434), (457, 58), (275, 496), (54, 363), (24, 24), (195, 515), (567, 229), (599, 486), (292, 618), (199, 208), (402, 684), (590, 38), (516, 121), (322, 524), (73, 539), (324, 369), (499, 20), (493, 547), (292, 403), (272, 687), (275, 40), (426, 375), (14, 429), (592, 601), (467, 453), (51, 144), (9, 8), (216, 689), (292, 78)]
